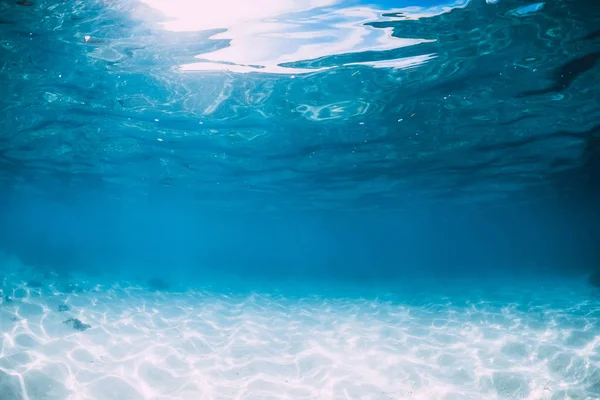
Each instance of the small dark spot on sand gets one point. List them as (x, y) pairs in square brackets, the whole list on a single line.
[(7, 299), (158, 284), (34, 284), (63, 307), (77, 324)]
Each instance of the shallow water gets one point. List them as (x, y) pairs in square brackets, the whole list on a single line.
[(299, 199)]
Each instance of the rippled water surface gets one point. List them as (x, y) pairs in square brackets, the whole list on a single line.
[(299, 199), (320, 103)]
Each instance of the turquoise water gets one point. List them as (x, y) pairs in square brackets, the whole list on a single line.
[(299, 199)]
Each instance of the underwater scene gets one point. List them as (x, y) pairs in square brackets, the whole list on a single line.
[(299, 199)]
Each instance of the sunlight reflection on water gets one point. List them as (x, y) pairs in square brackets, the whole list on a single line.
[(269, 36)]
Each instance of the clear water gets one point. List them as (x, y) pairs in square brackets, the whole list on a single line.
[(299, 199)]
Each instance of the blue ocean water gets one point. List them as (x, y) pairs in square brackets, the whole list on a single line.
[(299, 199)]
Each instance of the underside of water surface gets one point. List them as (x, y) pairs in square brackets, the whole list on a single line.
[(299, 199)]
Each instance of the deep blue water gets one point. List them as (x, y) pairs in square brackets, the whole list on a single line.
[(341, 138), (309, 199)]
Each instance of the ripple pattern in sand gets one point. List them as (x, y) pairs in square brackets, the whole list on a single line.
[(200, 345)]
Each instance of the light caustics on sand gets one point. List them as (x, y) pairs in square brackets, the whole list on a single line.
[(271, 36), (118, 341)]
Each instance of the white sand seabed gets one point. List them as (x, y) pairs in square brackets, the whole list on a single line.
[(209, 345)]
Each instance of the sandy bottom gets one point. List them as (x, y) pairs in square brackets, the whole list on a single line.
[(121, 342)]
